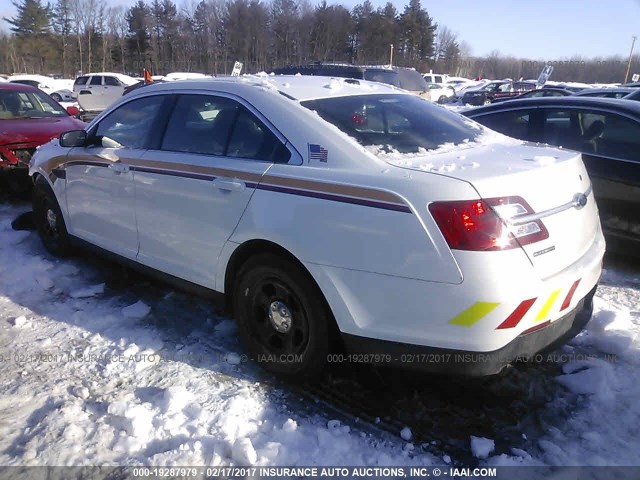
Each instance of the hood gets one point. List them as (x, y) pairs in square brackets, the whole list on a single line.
[(36, 130)]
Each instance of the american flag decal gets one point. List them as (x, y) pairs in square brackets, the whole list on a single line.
[(317, 152)]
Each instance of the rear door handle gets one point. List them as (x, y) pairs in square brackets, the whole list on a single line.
[(119, 167)]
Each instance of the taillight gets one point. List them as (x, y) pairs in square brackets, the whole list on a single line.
[(488, 224)]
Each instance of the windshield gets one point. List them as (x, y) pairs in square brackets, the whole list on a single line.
[(403, 123), (15, 104)]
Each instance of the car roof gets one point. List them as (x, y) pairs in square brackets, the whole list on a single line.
[(556, 89), (296, 87), (605, 90), (17, 87), (619, 104)]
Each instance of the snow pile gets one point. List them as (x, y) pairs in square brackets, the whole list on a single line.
[(137, 310), (481, 447), (90, 378)]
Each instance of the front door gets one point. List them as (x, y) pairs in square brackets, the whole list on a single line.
[(99, 178)]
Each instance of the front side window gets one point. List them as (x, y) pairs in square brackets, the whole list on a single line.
[(130, 125), (620, 138), (404, 123), (211, 125), (593, 132)]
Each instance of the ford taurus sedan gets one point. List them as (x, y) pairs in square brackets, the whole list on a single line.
[(334, 214)]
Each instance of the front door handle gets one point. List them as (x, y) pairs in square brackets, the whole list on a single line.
[(229, 184), (119, 167)]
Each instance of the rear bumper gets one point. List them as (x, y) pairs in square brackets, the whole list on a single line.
[(471, 363)]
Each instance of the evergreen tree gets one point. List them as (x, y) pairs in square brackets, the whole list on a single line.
[(32, 19), (138, 39)]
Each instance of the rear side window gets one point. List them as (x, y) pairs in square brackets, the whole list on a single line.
[(31, 83), (389, 77), (411, 80), (403, 123), (211, 125), (200, 124), (96, 80), (593, 132), (81, 81), (515, 124), (113, 81), (130, 125)]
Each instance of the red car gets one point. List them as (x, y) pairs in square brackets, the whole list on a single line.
[(29, 118)]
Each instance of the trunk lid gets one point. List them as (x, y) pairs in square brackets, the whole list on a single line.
[(549, 179)]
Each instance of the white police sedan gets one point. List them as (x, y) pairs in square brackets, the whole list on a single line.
[(335, 215)]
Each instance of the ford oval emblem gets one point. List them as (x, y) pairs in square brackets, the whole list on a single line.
[(579, 200)]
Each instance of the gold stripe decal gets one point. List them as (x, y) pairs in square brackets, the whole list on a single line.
[(473, 314), (358, 192), (546, 308)]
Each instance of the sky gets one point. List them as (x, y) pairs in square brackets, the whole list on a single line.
[(540, 30)]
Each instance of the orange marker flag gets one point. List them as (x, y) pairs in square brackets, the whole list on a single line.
[(147, 76)]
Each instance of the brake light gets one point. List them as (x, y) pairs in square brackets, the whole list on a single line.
[(487, 225)]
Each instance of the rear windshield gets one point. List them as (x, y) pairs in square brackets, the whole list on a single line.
[(389, 77), (15, 104), (403, 123)]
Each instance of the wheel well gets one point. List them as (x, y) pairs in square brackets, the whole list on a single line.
[(257, 247)]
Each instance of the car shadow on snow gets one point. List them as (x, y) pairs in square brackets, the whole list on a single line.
[(514, 409)]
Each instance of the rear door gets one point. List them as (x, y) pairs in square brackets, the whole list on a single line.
[(90, 95), (193, 186)]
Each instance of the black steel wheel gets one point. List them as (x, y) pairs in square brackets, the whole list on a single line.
[(48, 220), (282, 317)]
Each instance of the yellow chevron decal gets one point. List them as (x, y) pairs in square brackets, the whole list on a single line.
[(473, 314), (546, 308)]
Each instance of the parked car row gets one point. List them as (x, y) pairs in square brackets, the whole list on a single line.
[(405, 78), (290, 196)]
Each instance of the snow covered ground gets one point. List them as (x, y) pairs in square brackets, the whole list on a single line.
[(100, 366)]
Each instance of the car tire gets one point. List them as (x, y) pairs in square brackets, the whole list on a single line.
[(49, 221), (283, 319), (56, 97), (442, 99)]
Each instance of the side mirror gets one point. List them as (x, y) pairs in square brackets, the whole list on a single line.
[(73, 111), (74, 138)]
